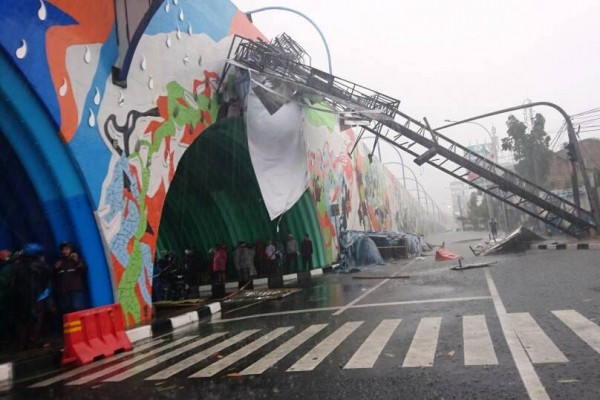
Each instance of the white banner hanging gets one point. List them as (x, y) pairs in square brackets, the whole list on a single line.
[(278, 152)]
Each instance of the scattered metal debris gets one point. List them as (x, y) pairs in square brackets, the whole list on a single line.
[(382, 277), (259, 294), (518, 240), (178, 303), (461, 267)]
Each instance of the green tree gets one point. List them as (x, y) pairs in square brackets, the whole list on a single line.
[(531, 150), (477, 214)]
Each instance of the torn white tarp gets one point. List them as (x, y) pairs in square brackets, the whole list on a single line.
[(278, 152)]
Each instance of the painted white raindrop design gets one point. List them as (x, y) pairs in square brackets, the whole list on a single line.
[(175, 2), (143, 64), (121, 99), (167, 7), (22, 51), (190, 29), (168, 41), (186, 59), (178, 33), (42, 13), (97, 97), (181, 14), (151, 83), (92, 118), (88, 55), (62, 91)]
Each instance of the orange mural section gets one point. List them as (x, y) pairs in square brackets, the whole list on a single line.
[(241, 25), (95, 21)]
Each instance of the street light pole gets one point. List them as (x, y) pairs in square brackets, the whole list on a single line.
[(404, 178), (592, 194), (249, 15), (494, 139), (399, 156)]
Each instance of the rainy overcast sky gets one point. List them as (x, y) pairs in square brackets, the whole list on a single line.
[(453, 59)]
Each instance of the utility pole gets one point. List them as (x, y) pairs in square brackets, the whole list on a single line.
[(460, 213)]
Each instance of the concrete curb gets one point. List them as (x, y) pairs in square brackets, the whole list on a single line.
[(14, 371), (264, 282), (569, 246)]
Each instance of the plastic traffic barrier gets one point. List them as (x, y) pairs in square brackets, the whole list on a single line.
[(94, 333)]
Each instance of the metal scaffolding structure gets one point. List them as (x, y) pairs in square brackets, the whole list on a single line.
[(383, 118)]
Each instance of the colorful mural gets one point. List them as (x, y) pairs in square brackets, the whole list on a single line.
[(124, 142), (369, 197)]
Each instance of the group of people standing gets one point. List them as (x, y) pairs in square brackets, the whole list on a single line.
[(34, 295), (261, 258)]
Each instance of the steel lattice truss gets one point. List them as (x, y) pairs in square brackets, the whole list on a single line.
[(428, 146)]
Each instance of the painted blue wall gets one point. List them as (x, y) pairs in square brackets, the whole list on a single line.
[(31, 132)]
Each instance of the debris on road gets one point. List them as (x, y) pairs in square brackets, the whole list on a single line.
[(518, 240), (445, 255), (461, 267), (258, 295), (382, 277)]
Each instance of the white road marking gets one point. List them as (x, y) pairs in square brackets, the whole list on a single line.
[(422, 349), (279, 353), (323, 349), (369, 351), (368, 305), (530, 379), (537, 344), (236, 356), (123, 364), (368, 292), (409, 302), (162, 358), (198, 357), (588, 331), (72, 372), (478, 346)]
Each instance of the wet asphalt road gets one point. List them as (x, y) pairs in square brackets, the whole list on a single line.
[(419, 345)]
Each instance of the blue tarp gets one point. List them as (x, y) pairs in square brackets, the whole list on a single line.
[(362, 249)]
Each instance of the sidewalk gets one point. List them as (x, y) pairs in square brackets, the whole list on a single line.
[(28, 364)]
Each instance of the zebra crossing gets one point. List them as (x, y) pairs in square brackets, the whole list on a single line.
[(305, 348)]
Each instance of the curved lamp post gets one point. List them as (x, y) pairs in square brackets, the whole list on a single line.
[(492, 136), (418, 184), (592, 194), (249, 15)]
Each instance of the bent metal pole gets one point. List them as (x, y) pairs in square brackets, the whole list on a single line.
[(591, 192)]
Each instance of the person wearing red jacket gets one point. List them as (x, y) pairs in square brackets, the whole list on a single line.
[(219, 263)]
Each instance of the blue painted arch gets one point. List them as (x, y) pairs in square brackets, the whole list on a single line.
[(30, 131)]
